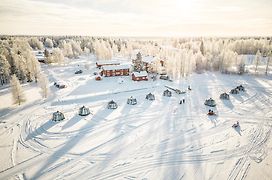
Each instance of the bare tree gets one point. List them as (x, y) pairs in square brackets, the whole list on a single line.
[(16, 89), (268, 62), (44, 85), (257, 60)]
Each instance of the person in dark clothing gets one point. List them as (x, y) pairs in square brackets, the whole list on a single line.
[(183, 100)]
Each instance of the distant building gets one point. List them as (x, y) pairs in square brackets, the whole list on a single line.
[(140, 76), (116, 70)]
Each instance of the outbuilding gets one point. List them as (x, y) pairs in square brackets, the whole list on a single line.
[(58, 116), (84, 111), (210, 102), (140, 76), (112, 105), (132, 100)]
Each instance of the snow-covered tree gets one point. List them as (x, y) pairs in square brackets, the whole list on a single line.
[(257, 60), (4, 69), (16, 89), (56, 57), (268, 62), (44, 85), (48, 43), (35, 43)]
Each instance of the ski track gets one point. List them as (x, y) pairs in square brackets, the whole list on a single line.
[(142, 159)]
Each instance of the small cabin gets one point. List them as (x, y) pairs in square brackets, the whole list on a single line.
[(240, 88), (139, 76), (84, 111), (234, 91), (210, 102), (150, 97), (132, 101), (112, 105), (58, 116), (224, 96), (167, 93)]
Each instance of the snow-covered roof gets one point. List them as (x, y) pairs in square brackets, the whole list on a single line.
[(140, 74), (117, 67), (40, 56), (107, 62)]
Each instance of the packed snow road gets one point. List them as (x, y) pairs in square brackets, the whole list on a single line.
[(160, 139)]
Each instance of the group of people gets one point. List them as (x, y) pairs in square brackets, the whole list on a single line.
[(182, 101)]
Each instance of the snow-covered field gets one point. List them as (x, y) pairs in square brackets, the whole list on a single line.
[(158, 139)]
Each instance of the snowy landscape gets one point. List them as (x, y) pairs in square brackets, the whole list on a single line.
[(136, 90), (174, 136)]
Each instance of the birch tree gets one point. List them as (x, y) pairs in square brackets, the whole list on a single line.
[(16, 89), (44, 85), (257, 60)]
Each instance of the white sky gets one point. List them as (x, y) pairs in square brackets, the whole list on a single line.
[(137, 17)]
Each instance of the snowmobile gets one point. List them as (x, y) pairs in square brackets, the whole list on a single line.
[(235, 125), (211, 113)]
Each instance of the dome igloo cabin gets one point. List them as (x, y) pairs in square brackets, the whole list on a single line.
[(132, 101), (210, 102), (167, 93), (112, 105), (84, 111), (224, 96), (150, 97), (58, 116)]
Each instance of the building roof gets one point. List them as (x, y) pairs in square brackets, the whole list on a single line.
[(107, 62), (140, 74), (117, 67)]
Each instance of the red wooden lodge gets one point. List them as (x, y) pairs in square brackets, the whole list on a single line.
[(118, 70)]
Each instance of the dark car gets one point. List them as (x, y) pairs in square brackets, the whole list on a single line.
[(164, 77), (78, 72)]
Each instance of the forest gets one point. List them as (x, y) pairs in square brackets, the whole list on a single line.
[(182, 56)]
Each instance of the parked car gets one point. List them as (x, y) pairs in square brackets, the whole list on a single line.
[(78, 72), (164, 77)]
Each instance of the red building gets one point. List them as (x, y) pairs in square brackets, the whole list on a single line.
[(120, 70), (99, 64), (139, 76)]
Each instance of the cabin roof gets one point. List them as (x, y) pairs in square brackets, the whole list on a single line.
[(140, 74)]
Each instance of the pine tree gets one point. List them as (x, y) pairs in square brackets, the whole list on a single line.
[(16, 89)]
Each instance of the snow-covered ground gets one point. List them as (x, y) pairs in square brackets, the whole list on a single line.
[(158, 139)]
